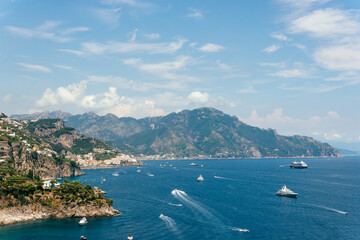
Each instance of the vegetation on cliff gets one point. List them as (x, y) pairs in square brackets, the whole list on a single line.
[(203, 132)]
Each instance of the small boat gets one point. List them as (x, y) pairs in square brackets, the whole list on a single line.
[(300, 164), (285, 192), (193, 164), (83, 221), (200, 178), (202, 166), (130, 237), (138, 170), (83, 238), (115, 174)]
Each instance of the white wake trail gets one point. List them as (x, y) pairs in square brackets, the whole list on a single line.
[(232, 179), (329, 209), (239, 229), (170, 223), (175, 204)]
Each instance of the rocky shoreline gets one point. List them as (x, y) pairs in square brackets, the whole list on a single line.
[(106, 166), (11, 215)]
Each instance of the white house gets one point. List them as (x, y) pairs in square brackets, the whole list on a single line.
[(48, 184)]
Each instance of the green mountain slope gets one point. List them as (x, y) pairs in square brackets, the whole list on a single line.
[(203, 132)]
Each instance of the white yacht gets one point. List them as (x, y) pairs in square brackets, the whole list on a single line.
[(83, 221), (193, 164), (138, 170), (200, 178), (130, 237), (285, 192), (300, 164), (115, 174)]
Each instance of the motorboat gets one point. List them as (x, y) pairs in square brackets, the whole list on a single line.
[(83, 238), (285, 192), (130, 237), (138, 170), (200, 178), (193, 164), (115, 174), (83, 221), (300, 164)]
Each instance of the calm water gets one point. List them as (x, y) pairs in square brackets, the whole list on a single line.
[(242, 196)]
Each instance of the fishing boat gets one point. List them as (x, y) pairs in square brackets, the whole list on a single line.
[(200, 178), (83, 221), (285, 192)]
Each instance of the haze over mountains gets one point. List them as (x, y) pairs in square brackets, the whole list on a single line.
[(203, 133)]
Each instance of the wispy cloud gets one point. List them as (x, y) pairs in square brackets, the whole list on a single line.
[(280, 37), (131, 3), (46, 31), (273, 64), (210, 47), (109, 16), (292, 73), (166, 70), (65, 67), (35, 68), (89, 48), (249, 89), (195, 13), (152, 36), (271, 49)]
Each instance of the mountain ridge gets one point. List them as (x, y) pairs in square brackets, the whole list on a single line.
[(203, 132)]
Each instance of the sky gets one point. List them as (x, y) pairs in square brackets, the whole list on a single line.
[(285, 64)]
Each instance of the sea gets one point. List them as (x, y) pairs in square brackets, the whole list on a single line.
[(164, 201)]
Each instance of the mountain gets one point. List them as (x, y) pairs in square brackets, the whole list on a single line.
[(347, 152), (38, 147), (200, 133), (42, 115)]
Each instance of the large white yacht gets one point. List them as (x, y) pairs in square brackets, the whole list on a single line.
[(300, 164), (285, 192)]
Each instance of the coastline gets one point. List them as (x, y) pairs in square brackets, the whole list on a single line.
[(11, 215), (107, 166), (235, 158)]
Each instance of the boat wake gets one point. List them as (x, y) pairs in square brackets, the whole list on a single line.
[(231, 179), (150, 174), (170, 223), (239, 229), (185, 199), (329, 209), (175, 204), (283, 165)]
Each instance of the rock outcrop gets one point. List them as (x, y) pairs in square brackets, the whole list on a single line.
[(36, 211)]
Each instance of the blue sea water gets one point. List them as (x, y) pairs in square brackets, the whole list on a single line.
[(235, 195)]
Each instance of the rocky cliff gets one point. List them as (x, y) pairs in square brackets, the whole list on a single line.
[(36, 211)]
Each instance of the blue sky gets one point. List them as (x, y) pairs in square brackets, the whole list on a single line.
[(284, 64)]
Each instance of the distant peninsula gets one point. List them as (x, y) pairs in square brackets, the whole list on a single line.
[(199, 133)]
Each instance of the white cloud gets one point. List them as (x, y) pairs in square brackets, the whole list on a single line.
[(33, 67), (249, 89), (303, 3), (131, 3), (289, 126), (7, 98), (210, 47), (195, 13), (152, 36), (271, 49), (165, 70), (62, 95), (132, 35), (327, 23), (75, 52), (89, 48), (332, 136), (273, 64), (44, 32), (101, 101), (198, 97), (340, 57), (291, 73), (280, 37), (128, 107), (109, 16), (65, 67)]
